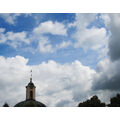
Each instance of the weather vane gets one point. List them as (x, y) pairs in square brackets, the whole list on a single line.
[(31, 76)]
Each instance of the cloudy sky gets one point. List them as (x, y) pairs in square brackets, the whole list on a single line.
[(72, 56)]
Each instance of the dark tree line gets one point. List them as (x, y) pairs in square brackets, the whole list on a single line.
[(92, 102), (115, 101), (95, 102)]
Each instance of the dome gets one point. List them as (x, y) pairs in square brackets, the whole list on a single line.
[(30, 103)]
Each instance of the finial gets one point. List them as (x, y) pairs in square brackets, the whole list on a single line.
[(31, 76)]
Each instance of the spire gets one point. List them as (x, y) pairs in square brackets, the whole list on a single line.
[(31, 76)]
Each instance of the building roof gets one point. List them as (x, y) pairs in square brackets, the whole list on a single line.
[(30, 103), (30, 84)]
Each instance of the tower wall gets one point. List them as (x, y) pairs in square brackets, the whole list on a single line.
[(28, 89)]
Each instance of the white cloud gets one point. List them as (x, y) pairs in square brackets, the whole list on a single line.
[(63, 44), (16, 39), (54, 28), (2, 30), (83, 20), (2, 36), (10, 17), (93, 38), (19, 36), (62, 82), (111, 20), (13, 39), (55, 83), (106, 18), (88, 38), (45, 46), (12, 77)]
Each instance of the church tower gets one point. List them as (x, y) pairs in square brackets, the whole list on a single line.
[(30, 90), (30, 96)]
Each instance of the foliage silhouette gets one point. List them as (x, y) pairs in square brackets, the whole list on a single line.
[(115, 101), (5, 105), (92, 102)]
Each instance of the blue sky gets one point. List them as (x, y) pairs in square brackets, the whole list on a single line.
[(28, 22)]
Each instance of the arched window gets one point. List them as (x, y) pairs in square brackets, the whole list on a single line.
[(31, 94)]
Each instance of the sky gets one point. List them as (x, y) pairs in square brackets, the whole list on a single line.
[(73, 56)]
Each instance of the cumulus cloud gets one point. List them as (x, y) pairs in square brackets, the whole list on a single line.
[(93, 38), (45, 46), (13, 39), (12, 78), (113, 24), (88, 38), (54, 28), (107, 76), (82, 20), (106, 79), (63, 82), (56, 83)]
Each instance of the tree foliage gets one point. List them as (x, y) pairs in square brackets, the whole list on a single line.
[(115, 101), (5, 105), (92, 102)]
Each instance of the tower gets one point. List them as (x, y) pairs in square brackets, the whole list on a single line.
[(30, 97), (30, 90)]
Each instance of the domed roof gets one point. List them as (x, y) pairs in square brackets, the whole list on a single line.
[(30, 103)]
